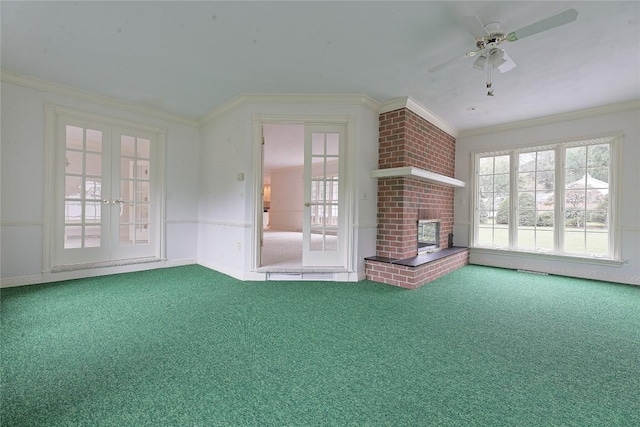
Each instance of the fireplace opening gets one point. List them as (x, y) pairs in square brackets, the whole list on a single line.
[(428, 235)]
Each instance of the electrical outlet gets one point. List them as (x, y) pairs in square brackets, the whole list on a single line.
[(239, 246)]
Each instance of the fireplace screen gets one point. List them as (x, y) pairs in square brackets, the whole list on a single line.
[(428, 235)]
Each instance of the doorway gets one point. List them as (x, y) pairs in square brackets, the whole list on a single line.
[(302, 169), (282, 177)]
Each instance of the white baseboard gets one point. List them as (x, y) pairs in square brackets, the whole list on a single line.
[(523, 264), (48, 277)]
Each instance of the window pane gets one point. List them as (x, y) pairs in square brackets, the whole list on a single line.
[(142, 234), (526, 238), (92, 212), (544, 239), (527, 181), (493, 201), (73, 162), (73, 211), (127, 146), (142, 191), (72, 236), (94, 164), (126, 168), (598, 155), (126, 190), (317, 143), (92, 236), (142, 169), (93, 188), (574, 242), (333, 144), (94, 140), (74, 138), (502, 164), (527, 162), (142, 212), (597, 242), (72, 187), (144, 148), (127, 234)]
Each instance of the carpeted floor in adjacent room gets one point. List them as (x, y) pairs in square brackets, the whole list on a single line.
[(190, 346)]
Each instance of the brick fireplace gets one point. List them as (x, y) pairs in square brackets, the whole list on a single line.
[(415, 182)]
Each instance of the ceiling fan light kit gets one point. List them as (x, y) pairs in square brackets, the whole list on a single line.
[(490, 36)]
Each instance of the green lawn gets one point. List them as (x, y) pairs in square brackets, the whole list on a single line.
[(531, 238)]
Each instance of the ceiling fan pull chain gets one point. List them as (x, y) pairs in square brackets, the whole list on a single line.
[(489, 84)]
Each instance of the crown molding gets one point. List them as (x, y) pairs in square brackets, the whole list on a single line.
[(289, 98), (413, 106), (556, 118), (37, 84)]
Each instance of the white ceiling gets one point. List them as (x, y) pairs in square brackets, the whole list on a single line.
[(189, 57)]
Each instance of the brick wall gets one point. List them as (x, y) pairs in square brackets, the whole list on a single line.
[(406, 139)]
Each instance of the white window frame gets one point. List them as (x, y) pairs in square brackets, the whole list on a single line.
[(560, 149)]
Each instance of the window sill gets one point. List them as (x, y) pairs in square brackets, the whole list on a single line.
[(549, 256)]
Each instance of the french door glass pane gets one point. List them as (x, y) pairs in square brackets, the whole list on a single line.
[(333, 144), (74, 138), (144, 148), (72, 187), (74, 162), (134, 190), (93, 234), (94, 164), (325, 148), (72, 236), (82, 187), (127, 146), (127, 235), (94, 140)]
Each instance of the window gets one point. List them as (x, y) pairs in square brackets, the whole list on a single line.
[(553, 199)]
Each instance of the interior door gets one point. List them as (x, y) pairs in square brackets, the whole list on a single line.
[(323, 225)]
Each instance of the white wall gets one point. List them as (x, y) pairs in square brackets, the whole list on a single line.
[(626, 122), (23, 182), (227, 206)]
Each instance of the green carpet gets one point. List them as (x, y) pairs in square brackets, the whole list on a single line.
[(190, 346)]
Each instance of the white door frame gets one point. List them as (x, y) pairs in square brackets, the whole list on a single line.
[(256, 226)]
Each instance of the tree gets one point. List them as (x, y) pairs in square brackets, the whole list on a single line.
[(526, 209), (502, 216)]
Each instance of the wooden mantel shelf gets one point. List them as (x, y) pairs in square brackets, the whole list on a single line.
[(421, 174)]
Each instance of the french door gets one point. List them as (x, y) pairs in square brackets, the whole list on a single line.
[(323, 237), (106, 197)]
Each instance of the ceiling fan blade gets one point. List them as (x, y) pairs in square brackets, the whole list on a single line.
[(473, 24), (446, 64), (508, 65), (561, 18), (451, 61)]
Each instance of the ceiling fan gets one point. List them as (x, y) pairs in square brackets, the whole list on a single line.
[(490, 36)]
